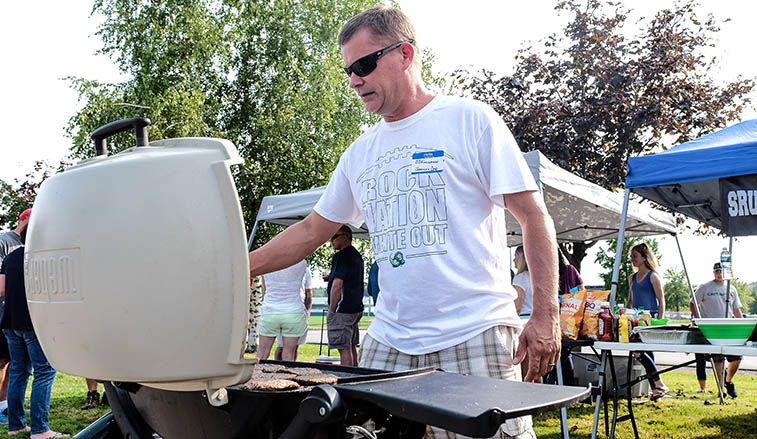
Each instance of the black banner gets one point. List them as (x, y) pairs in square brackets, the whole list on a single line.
[(738, 205)]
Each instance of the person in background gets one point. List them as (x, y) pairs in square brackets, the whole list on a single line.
[(373, 285), (9, 241), (711, 299), (283, 311), (569, 276), (522, 283), (431, 181), (26, 355), (345, 297), (306, 294), (646, 291), (93, 396), (569, 279)]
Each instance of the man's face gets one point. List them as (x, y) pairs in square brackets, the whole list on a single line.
[(378, 89), (339, 241), (718, 275)]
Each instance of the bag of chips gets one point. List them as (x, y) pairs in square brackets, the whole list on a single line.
[(571, 313), (592, 308)]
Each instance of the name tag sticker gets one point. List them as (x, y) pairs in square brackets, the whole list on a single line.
[(428, 162)]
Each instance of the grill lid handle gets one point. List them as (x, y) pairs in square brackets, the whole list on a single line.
[(140, 129)]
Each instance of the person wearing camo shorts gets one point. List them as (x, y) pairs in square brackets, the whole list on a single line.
[(431, 181)]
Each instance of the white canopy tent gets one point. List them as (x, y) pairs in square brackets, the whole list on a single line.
[(581, 210)]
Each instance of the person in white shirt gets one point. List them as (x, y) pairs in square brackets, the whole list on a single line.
[(283, 312), (522, 283), (431, 181)]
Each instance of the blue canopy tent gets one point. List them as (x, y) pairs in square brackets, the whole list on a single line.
[(689, 179)]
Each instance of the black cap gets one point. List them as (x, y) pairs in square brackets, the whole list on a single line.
[(717, 266), (346, 230)]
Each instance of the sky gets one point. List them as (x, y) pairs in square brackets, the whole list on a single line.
[(43, 43)]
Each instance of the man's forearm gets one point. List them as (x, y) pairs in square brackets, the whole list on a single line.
[(292, 245), (541, 256), (336, 294), (308, 299)]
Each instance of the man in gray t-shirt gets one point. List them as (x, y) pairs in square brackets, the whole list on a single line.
[(711, 297), (14, 239)]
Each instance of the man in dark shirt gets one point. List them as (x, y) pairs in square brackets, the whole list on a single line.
[(26, 354), (345, 297)]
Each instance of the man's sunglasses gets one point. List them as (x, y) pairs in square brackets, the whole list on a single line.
[(367, 64)]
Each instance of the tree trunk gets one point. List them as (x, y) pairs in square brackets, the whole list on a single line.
[(576, 252)]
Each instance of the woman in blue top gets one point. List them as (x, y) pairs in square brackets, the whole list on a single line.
[(647, 292)]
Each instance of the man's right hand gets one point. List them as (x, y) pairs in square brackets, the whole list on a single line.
[(540, 340)]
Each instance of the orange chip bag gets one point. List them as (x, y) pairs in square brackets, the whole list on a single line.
[(590, 328), (571, 313)]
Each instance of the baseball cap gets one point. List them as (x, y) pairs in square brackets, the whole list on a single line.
[(345, 229), (717, 266), (25, 215)]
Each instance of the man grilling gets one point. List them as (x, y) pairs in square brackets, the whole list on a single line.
[(431, 181)]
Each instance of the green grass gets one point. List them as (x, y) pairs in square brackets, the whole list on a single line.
[(68, 395), (685, 415)]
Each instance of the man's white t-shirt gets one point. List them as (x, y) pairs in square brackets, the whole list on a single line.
[(284, 290), (429, 187), (711, 299), (523, 280)]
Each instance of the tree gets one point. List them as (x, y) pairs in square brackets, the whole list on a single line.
[(606, 259), (594, 96), (15, 198), (752, 307), (745, 295), (265, 75), (677, 294)]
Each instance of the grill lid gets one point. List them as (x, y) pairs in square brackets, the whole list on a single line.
[(137, 269)]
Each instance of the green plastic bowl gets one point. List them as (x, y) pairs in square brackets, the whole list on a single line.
[(659, 322), (726, 332)]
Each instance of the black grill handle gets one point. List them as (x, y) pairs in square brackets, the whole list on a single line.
[(140, 129)]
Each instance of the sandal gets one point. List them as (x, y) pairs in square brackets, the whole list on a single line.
[(658, 393), (23, 430)]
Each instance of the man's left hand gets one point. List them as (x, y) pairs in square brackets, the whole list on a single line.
[(540, 339)]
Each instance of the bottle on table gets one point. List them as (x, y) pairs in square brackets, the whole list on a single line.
[(725, 261), (623, 327), (605, 322)]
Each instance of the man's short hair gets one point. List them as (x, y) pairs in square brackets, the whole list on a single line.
[(385, 23), (347, 231)]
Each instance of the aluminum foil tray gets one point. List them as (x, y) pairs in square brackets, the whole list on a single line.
[(670, 334)]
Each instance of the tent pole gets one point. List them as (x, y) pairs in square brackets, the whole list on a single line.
[(686, 272), (619, 250), (252, 235), (728, 283)]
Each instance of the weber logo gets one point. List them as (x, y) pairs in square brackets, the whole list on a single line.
[(742, 202), (53, 276)]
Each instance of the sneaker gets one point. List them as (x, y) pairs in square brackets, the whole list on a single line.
[(731, 389), (3, 419), (93, 399), (701, 390)]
